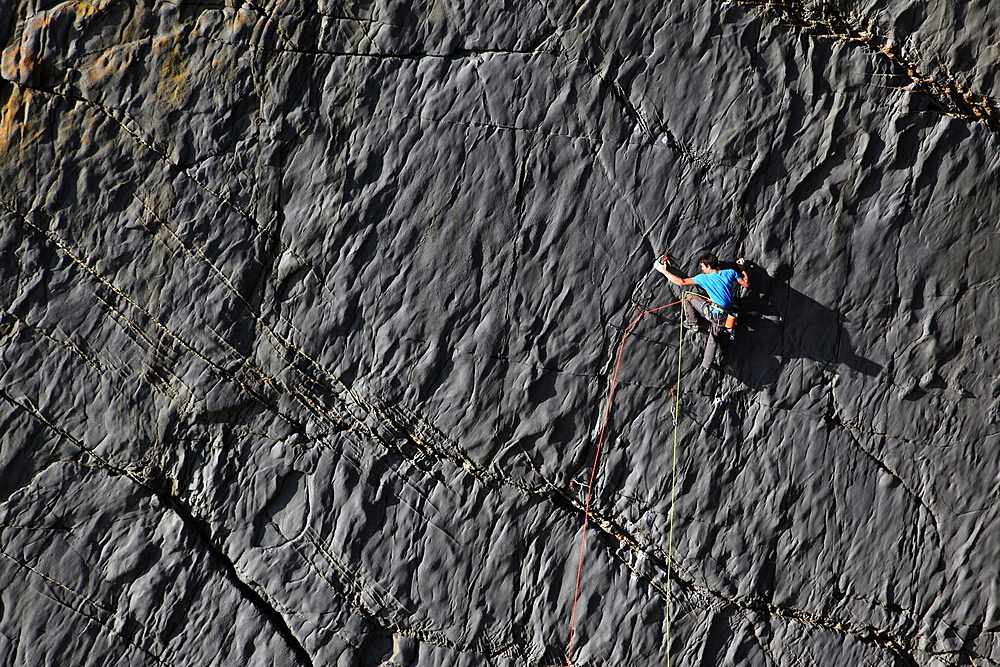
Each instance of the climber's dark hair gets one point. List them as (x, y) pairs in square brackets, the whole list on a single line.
[(710, 260)]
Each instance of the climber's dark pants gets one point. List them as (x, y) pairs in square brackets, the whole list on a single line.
[(701, 308)]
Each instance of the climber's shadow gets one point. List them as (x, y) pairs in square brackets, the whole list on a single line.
[(778, 323)]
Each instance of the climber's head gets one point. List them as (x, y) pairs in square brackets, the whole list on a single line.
[(708, 262)]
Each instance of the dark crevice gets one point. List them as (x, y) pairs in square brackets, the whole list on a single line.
[(157, 487), (274, 617)]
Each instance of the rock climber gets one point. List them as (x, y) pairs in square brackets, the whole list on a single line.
[(719, 284)]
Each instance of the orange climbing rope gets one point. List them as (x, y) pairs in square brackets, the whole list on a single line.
[(593, 470)]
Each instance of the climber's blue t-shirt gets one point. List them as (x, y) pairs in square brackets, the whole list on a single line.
[(719, 286)]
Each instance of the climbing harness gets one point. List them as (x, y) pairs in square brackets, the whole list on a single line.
[(726, 317), (593, 475)]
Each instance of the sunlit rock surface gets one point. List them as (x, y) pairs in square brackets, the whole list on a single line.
[(310, 312)]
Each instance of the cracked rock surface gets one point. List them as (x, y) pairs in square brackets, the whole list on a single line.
[(310, 312)]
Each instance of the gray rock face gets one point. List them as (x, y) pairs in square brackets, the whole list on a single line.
[(311, 310)]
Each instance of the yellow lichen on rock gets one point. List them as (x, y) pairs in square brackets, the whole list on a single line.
[(22, 57), (174, 85), (11, 126)]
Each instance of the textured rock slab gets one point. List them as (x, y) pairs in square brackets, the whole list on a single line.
[(310, 311)]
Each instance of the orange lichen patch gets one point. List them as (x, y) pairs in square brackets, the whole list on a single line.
[(80, 9), (17, 62), (101, 68), (174, 84), (24, 55), (236, 23), (11, 119), (37, 22), (84, 9)]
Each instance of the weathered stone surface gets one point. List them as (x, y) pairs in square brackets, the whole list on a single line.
[(310, 312)]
